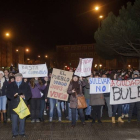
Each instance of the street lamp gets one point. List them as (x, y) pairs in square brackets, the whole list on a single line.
[(28, 59), (38, 56), (46, 56), (101, 16), (7, 34), (16, 50), (27, 50), (97, 8)]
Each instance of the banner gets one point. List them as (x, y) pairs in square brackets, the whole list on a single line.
[(126, 91), (29, 71), (84, 67), (99, 85), (60, 81)]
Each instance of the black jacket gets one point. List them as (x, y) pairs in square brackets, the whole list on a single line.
[(4, 88), (12, 89), (45, 91)]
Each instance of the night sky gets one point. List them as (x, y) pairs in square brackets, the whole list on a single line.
[(43, 24)]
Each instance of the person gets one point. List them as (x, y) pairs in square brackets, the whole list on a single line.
[(117, 106), (131, 106), (44, 98), (3, 98), (14, 91), (11, 79), (36, 85), (75, 89), (87, 97), (6, 75), (96, 101), (107, 99)]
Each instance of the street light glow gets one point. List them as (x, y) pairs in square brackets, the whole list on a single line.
[(100, 16), (7, 34), (16, 50), (96, 8), (27, 50), (28, 59), (46, 56), (39, 56)]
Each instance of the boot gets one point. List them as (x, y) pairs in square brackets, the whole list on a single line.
[(86, 117), (113, 120), (120, 120), (1, 117), (90, 117), (4, 118)]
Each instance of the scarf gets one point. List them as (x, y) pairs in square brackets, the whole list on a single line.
[(76, 86)]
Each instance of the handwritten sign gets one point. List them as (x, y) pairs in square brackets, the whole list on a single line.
[(126, 91), (59, 84), (99, 85), (29, 71), (84, 67)]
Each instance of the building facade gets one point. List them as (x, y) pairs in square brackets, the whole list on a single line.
[(68, 56)]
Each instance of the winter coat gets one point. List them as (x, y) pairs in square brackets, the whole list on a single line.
[(4, 84), (97, 99), (86, 89), (12, 89), (36, 90), (73, 100)]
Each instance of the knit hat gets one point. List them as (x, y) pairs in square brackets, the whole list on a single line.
[(2, 72)]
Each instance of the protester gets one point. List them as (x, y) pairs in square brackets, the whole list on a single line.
[(87, 97), (15, 90), (6, 75), (107, 99), (137, 104), (44, 98), (36, 85), (96, 101), (75, 89), (3, 98)]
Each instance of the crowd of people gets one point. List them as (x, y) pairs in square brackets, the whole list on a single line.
[(34, 92)]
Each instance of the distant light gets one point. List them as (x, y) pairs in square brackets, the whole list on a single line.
[(100, 16), (38, 55), (65, 66), (96, 8), (16, 50), (68, 68), (95, 65), (46, 56), (7, 34), (28, 59), (129, 66), (27, 50), (100, 65)]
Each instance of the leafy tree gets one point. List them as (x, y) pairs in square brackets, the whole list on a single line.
[(120, 35)]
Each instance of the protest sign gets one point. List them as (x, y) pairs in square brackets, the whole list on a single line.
[(99, 85), (60, 81), (84, 67), (29, 71), (126, 91)]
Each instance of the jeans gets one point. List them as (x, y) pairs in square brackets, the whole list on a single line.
[(42, 107), (88, 109), (107, 99), (53, 103), (115, 108), (131, 110), (15, 120), (62, 105), (69, 113), (35, 108), (96, 111), (3, 101), (125, 109), (73, 114)]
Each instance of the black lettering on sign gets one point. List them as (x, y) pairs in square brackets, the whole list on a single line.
[(138, 91), (117, 90), (131, 96), (128, 90)]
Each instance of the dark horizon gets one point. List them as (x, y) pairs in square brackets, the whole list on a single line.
[(41, 25)]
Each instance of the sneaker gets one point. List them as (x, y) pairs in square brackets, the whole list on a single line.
[(45, 113), (37, 120), (59, 119), (33, 120), (123, 115), (126, 116), (50, 119), (14, 136), (8, 119), (23, 135)]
